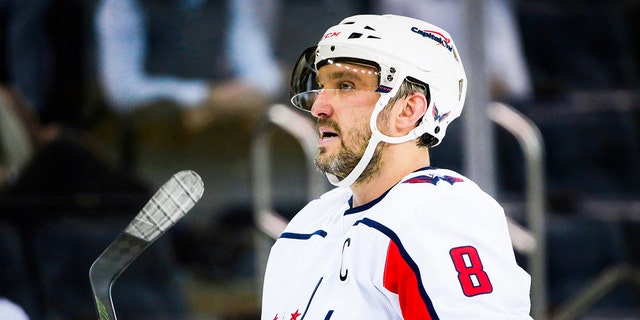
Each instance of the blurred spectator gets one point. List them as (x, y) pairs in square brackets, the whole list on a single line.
[(17, 136), (506, 62), (61, 204), (28, 50), (51, 233), (211, 58), (61, 200), (48, 59)]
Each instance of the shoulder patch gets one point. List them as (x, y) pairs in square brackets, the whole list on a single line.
[(433, 179)]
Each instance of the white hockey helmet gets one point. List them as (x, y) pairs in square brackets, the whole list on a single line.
[(401, 48)]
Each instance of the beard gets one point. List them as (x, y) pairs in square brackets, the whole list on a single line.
[(347, 157)]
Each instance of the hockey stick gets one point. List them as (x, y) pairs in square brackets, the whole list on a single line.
[(174, 199)]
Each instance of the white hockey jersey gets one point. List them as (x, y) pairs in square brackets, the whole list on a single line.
[(434, 246)]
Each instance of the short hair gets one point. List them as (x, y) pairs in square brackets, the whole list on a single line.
[(409, 86)]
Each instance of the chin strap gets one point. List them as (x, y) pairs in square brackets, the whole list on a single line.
[(359, 168), (376, 138)]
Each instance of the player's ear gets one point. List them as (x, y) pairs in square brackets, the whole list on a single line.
[(411, 111)]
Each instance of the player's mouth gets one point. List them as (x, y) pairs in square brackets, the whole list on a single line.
[(327, 135)]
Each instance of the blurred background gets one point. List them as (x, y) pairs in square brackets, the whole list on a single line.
[(101, 101)]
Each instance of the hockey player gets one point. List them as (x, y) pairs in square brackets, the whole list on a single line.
[(398, 238)]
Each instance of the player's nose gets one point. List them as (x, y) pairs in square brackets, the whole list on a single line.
[(322, 104)]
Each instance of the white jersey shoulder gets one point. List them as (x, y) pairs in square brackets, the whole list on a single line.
[(438, 194), (433, 246), (316, 212)]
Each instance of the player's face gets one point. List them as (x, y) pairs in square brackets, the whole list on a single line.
[(343, 109)]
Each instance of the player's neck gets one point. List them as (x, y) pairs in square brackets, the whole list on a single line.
[(397, 162)]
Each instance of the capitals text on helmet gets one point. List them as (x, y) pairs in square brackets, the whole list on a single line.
[(435, 36)]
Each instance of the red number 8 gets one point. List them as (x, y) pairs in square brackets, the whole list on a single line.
[(473, 279)]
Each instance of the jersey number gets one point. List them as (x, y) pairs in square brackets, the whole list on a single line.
[(473, 279)]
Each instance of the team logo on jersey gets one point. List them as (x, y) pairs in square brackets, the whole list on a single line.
[(434, 179)]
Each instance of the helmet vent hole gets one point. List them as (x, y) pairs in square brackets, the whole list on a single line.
[(373, 37), (355, 35), (436, 130), (369, 28)]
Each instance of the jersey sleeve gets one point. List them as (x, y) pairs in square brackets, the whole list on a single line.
[(449, 256)]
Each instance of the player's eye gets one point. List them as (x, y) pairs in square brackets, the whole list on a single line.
[(346, 86)]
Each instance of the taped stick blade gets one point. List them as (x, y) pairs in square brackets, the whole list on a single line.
[(174, 199), (167, 206)]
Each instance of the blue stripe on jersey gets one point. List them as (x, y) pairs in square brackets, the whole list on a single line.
[(365, 206), (303, 236), (405, 255), (329, 314), (311, 298), (373, 202)]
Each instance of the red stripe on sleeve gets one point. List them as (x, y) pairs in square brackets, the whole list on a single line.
[(400, 279)]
